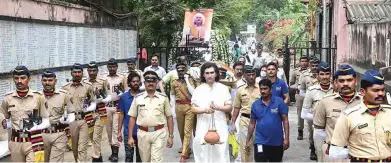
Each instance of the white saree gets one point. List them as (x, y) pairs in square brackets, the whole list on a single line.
[(203, 96)]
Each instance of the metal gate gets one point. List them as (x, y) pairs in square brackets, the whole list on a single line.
[(293, 52)]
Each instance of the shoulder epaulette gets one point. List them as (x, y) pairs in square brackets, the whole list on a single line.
[(37, 92), (242, 86), (139, 94), (314, 87), (351, 110), (162, 94), (66, 84), (8, 93), (87, 82), (62, 91), (385, 106), (329, 95)]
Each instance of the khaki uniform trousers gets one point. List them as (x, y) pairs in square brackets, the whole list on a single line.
[(80, 138), (299, 106), (100, 125), (185, 121), (55, 146), (21, 151), (326, 157), (112, 126), (243, 125), (152, 144)]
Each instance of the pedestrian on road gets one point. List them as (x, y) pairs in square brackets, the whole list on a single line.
[(58, 104), (270, 116), (126, 99), (244, 98), (294, 80), (211, 101), (313, 95), (152, 113), (132, 67), (159, 70), (17, 107), (99, 85), (83, 100), (365, 128), (279, 88), (332, 106), (181, 92), (115, 87)]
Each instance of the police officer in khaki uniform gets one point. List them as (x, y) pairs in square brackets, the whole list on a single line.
[(58, 104), (115, 86), (308, 80), (365, 128), (24, 107), (181, 91), (152, 113), (83, 100), (244, 97), (330, 107), (295, 84), (313, 95), (99, 86)]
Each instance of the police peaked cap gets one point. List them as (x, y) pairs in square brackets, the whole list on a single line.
[(113, 61), (345, 69), (373, 77), (92, 64), (48, 74), (131, 60), (77, 66), (21, 70), (249, 69), (324, 67)]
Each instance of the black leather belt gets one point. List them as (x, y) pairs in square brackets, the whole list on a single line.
[(246, 115), (356, 159)]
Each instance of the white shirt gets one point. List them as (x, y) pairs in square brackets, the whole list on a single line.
[(161, 72)]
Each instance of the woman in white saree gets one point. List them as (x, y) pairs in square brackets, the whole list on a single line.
[(211, 97)]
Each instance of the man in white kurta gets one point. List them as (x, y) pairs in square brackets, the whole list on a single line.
[(207, 98)]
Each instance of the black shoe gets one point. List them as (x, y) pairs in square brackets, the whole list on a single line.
[(300, 136), (100, 159), (114, 155), (313, 155)]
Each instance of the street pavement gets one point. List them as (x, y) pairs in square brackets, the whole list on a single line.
[(298, 151)]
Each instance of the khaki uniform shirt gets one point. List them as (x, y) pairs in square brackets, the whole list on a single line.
[(244, 98), (150, 111), (113, 81), (307, 80), (229, 82), (179, 89), (280, 61), (17, 108), (80, 95), (98, 84), (366, 135), (314, 95), (329, 109), (295, 75), (56, 105)]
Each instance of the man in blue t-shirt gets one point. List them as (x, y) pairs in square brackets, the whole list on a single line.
[(269, 114), (279, 87), (125, 102)]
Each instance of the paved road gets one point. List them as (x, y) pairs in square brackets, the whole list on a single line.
[(298, 151)]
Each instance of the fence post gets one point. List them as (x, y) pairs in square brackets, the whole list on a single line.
[(287, 60)]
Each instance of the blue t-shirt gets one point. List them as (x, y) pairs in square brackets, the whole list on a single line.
[(279, 88), (269, 130), (125, 102)]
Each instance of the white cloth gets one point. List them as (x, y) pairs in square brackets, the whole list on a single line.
[(203, 97), (4, 150), (307, 114), (338, 152)]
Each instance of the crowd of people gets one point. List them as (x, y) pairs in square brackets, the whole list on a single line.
[(207, 106)]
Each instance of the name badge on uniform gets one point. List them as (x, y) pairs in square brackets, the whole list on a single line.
[(336, 110), (259, 148), (244, 94), (363, 126)]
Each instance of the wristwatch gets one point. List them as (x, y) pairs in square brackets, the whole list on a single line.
[(171, 136)]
